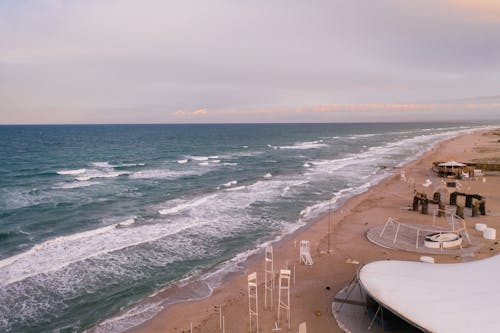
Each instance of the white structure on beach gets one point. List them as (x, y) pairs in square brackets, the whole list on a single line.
[(305, 252), (284, 295), (268, 276), (253, 302), (441, 298)]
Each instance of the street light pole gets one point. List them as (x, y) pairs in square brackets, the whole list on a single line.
[(329, 221)]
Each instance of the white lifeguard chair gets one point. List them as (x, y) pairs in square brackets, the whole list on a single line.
[(253, 303), (268, 276), (305, 252), (284, 294)]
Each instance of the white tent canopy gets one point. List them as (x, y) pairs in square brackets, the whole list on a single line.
[(444, 298), (451, 164)]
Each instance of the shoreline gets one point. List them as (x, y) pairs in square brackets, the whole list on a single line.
[(252, 260)]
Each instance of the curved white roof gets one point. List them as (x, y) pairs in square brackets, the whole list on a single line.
[(438, 297)]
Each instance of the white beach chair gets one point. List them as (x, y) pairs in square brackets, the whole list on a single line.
[(305, 254), (427, 183)]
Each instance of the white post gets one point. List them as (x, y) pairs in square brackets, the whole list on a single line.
[(385, 226), (220, 317), (253, 303), (284, 294), (396, 235), (268, 276), (329, 223)]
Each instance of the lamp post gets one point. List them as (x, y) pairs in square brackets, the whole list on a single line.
[(329, 221)]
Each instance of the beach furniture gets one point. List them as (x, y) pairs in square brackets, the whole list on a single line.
[(305, 253), (253, 304), (481, 226), (427, 259), (268, 276), (284, 294), (490, 233)]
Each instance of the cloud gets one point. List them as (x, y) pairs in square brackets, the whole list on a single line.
[(200, 112), (482, 10)]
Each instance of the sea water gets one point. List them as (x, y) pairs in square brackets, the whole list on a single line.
[(95, 218)]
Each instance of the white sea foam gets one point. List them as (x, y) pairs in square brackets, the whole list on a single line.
[(230, 163), (96, 174), (285, 191), (180, 205), (231, 183), (307, 165), (58, 253), (104, 165), (163, 174), (129, 319), (77, 184), (268, 175), (246, 153), (126, 165), (204, 164), (21, 264), (182, 161), (71, 172), (125, 223), (83, 178), (321, 207), (361, 165), (237, 188), (367, 135), (199, 158), (304, 145)]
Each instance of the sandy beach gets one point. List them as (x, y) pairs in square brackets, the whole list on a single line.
[(313, 287)]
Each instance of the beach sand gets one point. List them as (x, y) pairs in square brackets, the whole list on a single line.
[(349, 225)]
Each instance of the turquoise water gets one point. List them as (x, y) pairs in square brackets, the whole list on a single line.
[(95, 218)]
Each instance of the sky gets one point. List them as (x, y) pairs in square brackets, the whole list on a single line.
[(161, 61)]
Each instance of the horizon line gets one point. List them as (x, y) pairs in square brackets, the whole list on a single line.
[(258, 123)]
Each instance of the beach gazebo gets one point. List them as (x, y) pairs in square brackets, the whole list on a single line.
[(450, 168)]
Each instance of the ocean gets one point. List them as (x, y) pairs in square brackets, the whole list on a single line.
[(96, 218)]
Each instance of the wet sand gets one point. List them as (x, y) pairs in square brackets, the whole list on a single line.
[(313, 287)]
